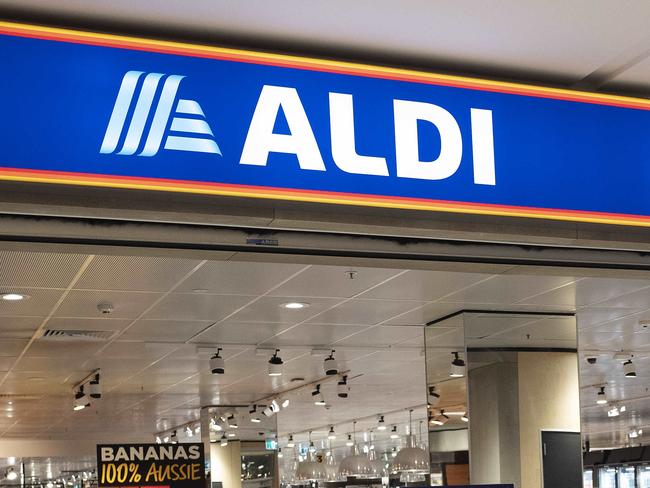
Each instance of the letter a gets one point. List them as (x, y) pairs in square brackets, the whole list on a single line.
[(261, 140)]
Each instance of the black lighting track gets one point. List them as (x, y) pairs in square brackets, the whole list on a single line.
[(274, 242)]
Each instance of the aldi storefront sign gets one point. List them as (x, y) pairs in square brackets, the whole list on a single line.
[(100, 110), (151, 465)]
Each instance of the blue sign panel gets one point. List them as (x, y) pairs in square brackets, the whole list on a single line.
[(89, 109)]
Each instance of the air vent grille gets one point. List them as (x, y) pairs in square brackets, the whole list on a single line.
[(71, 335)]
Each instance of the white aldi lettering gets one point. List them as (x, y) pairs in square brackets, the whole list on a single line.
[(261, 140)]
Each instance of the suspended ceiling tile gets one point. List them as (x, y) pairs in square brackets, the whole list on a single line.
[(19, 327), (270, 309), (128, 349), (240, 333), (425, 314), (40, 302), (367, 312), (382, 336), (192, 306), (12, 347), (312, 335), (587, 291), (46, 348), (507, 289), (140, 273), (333, 281), (595, 316), (102, 323), (239, 278), (424, 285), (125, 304), (165, 330), (35, 269)]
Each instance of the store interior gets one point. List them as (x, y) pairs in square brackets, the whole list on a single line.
[(335, 371)]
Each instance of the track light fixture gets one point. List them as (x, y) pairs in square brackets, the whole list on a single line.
[(331, 435), (330, 364), (393, 432), (457, 367), (11, 474), (434, 397), (290, 442), (81, 400), (601, 396), (464, 418), (629, 369), (189, 431), (275, 364), (224, 440), (284, 402), (381, 423), (349, 442), (174, 438), (94, 388), (318, 396), (253, 413), (280, 455), (342, 388), (232, 421), (217, 363)]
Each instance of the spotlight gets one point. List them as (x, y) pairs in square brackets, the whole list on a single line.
[(330, 365), (290, 442), (349, 442), (158, 440), (174, 438), (214, 425), (318, 396), (188, 431), (217, 364), (280, 455), (94, 388), (275, 406), (434, 396), (342, 388), (224, 441), (81, 400), (312, 447), (393, 432), (381, 424), (457, 367), (465, 418), (268, 411), (628, 368), (253, 413), (393, 452), (275, 364), (11, 474), (231, 434), (232, 422), (284, 402), (331, 434), (601, 397), (613, 412)]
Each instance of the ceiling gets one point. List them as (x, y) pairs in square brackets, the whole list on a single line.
[(169, 314), (601, 44)]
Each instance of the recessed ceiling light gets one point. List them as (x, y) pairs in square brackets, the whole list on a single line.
[(295, 305), (13, 297)]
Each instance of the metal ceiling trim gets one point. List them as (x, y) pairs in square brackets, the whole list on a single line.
[(115, 236)]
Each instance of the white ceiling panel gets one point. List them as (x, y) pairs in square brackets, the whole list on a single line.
[(165, 330), (424, 285), (49, 270), (40, 302), (365, 312), (382, 336), (240, 333), (239, 278), (197, 306), (140, 273), (312, 334), (270, 309), (19, 327), (125, 304), (87, 323), (507, 289), (334, 281)]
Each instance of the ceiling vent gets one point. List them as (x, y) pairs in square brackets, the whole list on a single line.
[(76, 335)]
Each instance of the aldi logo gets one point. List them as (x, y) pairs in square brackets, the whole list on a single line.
[(189, 130)]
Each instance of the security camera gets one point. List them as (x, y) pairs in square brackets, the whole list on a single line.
[(105, 308), (592, 359)]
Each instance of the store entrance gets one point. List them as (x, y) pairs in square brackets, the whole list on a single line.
[(297, 369)]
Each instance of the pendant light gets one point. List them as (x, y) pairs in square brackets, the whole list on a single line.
[(411, 459), (310, 470), (331, 469), (378, 466), (457, 369), (275, 364), (330, 365), (355, 464)]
